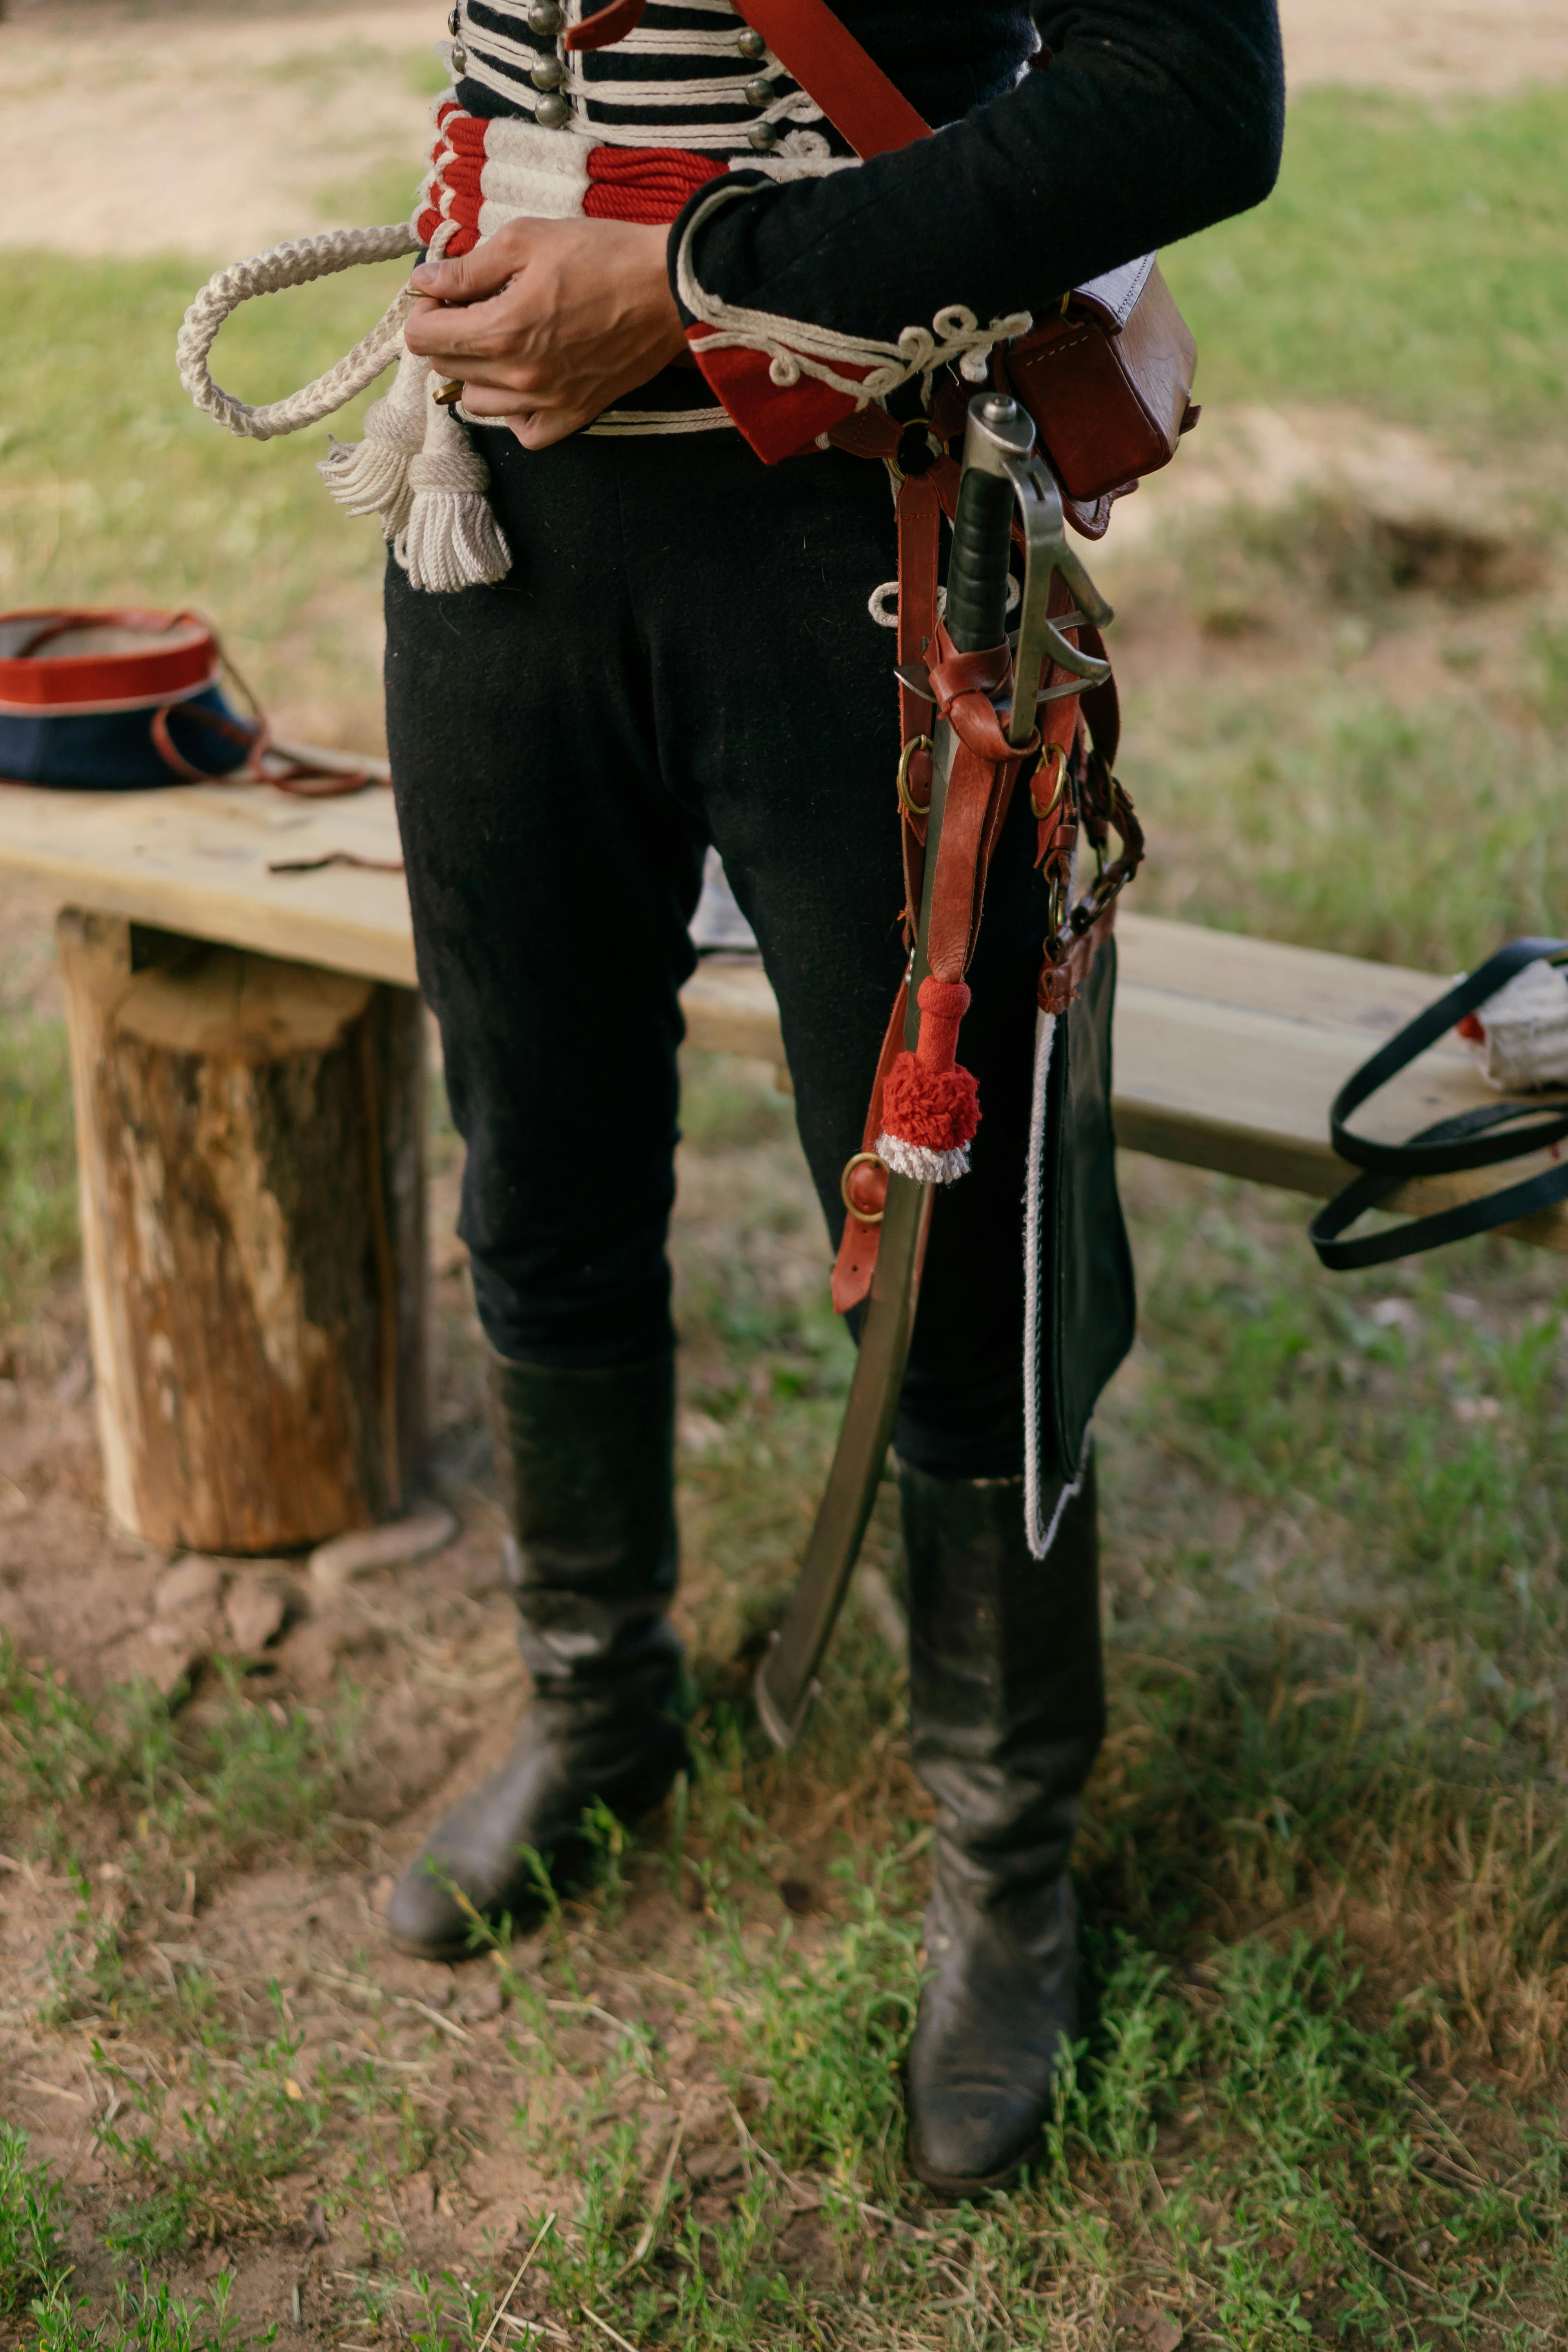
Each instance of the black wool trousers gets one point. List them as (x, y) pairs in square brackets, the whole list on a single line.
[(683, 653)]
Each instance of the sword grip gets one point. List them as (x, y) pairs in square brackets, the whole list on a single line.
[(977, 567)]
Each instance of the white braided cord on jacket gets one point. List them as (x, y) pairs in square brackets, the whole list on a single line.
[(797, 347)]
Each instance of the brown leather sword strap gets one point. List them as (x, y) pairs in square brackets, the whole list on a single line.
[(983, 774), (865, 1180)]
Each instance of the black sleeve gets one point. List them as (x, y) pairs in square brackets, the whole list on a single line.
[(1153, 119)]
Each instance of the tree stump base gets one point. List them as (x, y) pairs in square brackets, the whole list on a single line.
[(250, 1143)]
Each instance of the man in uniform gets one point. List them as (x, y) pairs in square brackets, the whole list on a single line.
[(680, 652)]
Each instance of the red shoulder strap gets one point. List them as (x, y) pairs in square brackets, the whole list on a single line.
[(822, 54)]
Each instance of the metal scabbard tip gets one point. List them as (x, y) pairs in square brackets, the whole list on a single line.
[(450, 392)]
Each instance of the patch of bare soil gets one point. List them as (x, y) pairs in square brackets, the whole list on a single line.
[(201, 126), (207, 130), (1294, 539), (1430, 48)]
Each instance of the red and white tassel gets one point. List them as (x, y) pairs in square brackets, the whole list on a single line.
[(930, 1103)]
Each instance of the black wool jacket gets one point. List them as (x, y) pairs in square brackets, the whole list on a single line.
[(1136, 122)]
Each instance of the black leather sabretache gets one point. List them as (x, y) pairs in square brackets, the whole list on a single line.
[(1088, 1303)]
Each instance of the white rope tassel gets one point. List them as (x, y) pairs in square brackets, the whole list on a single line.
[(414, 468), (371, 476), (451, 539), (920, 1164)]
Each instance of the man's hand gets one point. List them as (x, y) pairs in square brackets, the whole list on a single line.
[(549, 323)]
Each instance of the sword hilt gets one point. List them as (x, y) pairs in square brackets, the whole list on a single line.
[(983, 523)]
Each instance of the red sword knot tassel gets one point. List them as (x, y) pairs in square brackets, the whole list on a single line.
[(930, 1103)]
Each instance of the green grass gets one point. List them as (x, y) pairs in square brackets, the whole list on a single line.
[(148, 2317), (1334, 819), (38, 1168), (210, 2172), (156, 504), (1323, 1865), (32, 2260), (1412, 262), (226, 1779)]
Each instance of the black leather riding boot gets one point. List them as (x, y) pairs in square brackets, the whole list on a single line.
[(586, 1463), (1007, 1712)]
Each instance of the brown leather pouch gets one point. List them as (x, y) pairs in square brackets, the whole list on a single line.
[(1109, 380), (1109, 384)]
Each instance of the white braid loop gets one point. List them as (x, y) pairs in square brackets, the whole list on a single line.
[(796, 347), (295, 263)]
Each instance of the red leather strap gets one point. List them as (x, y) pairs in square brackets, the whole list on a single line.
[(608, 24), (823, 56), (817, 49), (981, 783), (979, 793), (857, 1259), (227, 730), (919, 557), (1102, 705)]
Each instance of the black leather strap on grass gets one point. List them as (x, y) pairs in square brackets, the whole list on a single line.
[(1469, 1140)]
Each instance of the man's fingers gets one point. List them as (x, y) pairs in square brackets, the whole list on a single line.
[(511, 384), (543, 429), (469, 277), (484, 400), (455, 333)]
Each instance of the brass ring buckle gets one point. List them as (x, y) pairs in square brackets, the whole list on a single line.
[(1056, 759), (915, 424), (861, 1160), (910, 807)]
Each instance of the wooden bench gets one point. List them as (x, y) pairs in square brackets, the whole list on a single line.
[(1228, 1050)]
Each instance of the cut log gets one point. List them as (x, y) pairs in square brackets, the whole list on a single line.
[(251, 1144)]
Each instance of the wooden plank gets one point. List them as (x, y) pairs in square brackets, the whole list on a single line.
[(1228, 1049), (1310, 984), (199, 859)]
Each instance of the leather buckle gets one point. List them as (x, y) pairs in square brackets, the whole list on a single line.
[(909, 805), (914, 456), (847, 1188), (1055, 760)]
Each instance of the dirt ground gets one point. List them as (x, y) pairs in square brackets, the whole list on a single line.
[(267, 121)]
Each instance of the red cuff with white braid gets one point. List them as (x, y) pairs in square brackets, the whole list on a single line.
[(778, 420)]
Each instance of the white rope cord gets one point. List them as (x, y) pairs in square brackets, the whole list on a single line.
[(296, 264)]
